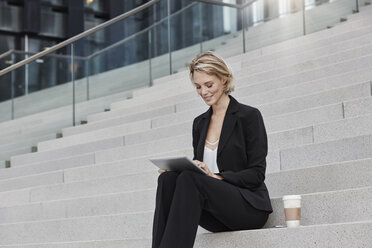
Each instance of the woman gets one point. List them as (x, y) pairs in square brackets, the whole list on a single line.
[(230, 144)]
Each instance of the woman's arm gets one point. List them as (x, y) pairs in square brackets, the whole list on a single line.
[(206, 169), (256, 151), (195, 137)]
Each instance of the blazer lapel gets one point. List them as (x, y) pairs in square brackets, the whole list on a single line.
[(228, 124), (203, 133)]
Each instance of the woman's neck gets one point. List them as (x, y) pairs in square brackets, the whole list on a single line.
[(221, 106)]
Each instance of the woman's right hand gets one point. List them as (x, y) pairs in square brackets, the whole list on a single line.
[(161, 171)]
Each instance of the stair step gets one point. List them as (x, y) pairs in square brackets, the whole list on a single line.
[(317, 208), (340, 176), (358, 107), (344, 128), (328, 152), (325, 208), (66, 152), (47, 166), (353, 235)]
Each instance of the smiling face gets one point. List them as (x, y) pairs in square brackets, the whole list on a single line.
[(209, 87)]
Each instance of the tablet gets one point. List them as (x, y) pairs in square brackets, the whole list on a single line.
[(176, 164)]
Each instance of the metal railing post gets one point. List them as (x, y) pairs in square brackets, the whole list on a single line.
[(169, 38), (243, 28), (155, 32), (150, 55), (12, 95), (303, 16), (87, 70), (73, 83), (357, 6), (26, 66), (12, 75), (201, 27)]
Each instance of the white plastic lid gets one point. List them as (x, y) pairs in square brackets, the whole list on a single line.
[(291, 197)]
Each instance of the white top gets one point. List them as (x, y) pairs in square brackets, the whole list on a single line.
[(210, 156)]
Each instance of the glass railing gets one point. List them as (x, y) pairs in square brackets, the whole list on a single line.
[(157, 41)]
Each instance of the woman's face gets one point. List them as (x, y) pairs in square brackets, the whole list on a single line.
[(209, 87)]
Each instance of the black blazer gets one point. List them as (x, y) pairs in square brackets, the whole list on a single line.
[(242, 150)]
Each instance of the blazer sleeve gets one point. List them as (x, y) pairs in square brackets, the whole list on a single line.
[(256, 151), (195, 137)]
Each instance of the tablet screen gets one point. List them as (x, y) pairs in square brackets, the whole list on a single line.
[(176, 164)]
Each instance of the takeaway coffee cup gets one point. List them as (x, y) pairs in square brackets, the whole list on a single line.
[(292, 210)]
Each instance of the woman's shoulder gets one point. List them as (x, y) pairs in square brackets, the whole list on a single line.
[(240, 108), (245, 111), (249, 115)]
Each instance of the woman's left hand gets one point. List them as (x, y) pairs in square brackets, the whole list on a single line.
[(206, 169)]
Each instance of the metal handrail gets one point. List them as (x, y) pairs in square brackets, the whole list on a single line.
[(237, 6), (78, 37), (6, 54), (10, 52)]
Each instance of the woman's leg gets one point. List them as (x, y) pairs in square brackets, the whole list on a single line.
[(210, 223), (225, 209), (164, 196), (184, 212), (214, 204)]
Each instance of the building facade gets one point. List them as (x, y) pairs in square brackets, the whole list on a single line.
[(30, 26)]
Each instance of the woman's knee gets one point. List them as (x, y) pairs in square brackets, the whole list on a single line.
[(189, 177), (168, 177)]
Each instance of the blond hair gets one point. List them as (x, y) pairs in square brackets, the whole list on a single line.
[(212, 64)]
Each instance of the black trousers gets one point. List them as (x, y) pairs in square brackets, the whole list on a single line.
[(188, 199)]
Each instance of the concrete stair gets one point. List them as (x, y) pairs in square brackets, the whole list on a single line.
[(87, 182), (27, 131), (95, 187), (354, 234), (270, 109)]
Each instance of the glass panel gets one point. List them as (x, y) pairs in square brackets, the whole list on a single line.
[(123, 67), (269, 22), (5, 91), (158, 38), (80, 71), (6, 130), (185, 37), (6, 88), (48, 71), (222, 29), (320, 15), (176, 6), (117, 57), (44, 84), (130, 54), (160, 10)]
